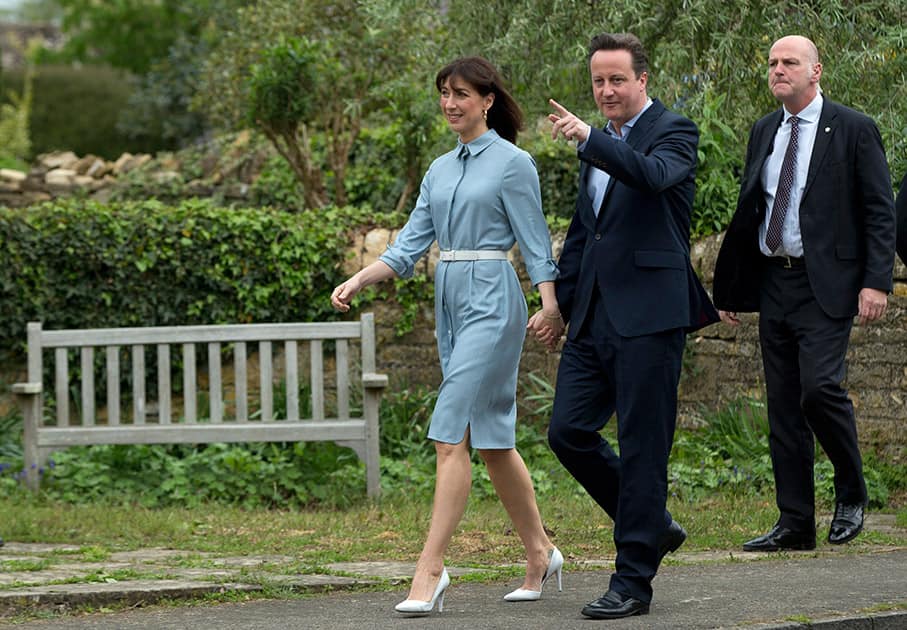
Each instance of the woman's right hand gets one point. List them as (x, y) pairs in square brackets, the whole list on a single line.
[(344, 293)]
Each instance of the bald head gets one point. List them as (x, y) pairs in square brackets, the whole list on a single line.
[(803, 43), (794, 71)]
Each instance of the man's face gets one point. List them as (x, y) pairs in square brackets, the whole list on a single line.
[(793, 72), (618, 92)]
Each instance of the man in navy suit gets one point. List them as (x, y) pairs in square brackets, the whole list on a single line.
[(810, 246), (629, 294)]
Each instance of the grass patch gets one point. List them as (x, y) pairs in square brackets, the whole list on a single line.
[(392, 529)]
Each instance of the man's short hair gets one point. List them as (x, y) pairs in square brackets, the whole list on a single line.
[(622, 41)]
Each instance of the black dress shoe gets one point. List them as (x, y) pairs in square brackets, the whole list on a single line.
[(670, 539), (847, 523), (614, 605), (781, 538)]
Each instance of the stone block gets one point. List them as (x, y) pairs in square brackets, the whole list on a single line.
[(58, 159), (11, 176)]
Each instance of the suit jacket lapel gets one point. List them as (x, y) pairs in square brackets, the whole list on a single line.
[(587, 212), (823, 138), (636, 139), (765, 142)]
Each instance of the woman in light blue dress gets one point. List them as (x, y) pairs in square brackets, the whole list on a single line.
[(476, 201)]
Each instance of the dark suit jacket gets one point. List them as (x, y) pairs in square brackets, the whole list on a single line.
[(901, 208), (638, 249), (846, 216)]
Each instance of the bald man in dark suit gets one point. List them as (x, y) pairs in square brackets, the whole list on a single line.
[(811, 246)]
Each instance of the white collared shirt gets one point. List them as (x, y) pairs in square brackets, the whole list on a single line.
[(808, 125), (597, 182)]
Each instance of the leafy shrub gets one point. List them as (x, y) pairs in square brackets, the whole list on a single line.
[(82, 264), (558, 170), (76, 109), (718, 173)]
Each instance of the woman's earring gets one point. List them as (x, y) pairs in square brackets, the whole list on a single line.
[(485, 115)]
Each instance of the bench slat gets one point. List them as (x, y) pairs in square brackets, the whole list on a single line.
[(189, 383), (240, 381), (138, 385), (292, 380), (61, 385), (343, 378), (87, 365), (281, 431), (317, 362), (215, 391), (198, 334), (113, 385), (265, 369), (163, 384)]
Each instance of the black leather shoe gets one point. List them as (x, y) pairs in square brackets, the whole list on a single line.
[(847, 523), (781, 538), (670, 539), (613, 605)]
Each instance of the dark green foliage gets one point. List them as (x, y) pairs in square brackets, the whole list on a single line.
[(82, 264), (76, 109), (157, 112)]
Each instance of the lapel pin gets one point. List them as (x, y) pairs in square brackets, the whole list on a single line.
[(827, 129)]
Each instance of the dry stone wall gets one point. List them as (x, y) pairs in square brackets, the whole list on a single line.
[(721, 363)]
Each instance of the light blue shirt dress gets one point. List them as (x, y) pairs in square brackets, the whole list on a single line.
[(483, 195)]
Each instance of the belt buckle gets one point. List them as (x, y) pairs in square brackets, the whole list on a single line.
[(787, 264)]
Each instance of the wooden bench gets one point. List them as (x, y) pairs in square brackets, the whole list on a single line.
[(360, 433)]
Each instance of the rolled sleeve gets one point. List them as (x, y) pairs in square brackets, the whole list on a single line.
[(414, 239)]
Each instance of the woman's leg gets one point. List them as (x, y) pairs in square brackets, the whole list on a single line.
[(511, 481), (452, 482)]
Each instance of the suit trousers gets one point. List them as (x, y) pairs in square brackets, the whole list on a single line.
[(803, 354), (601, 373)]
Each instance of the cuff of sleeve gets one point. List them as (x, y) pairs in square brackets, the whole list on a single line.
[(400, 267), (545, 271)]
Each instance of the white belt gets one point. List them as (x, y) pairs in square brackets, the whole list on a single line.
[(455, 255)]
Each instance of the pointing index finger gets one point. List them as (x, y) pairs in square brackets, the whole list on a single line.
[(560, 108)]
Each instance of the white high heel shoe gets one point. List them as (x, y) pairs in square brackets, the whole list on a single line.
[(419, 607), (555, 566)]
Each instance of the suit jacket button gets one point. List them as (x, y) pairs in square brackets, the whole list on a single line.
[(598, 237)]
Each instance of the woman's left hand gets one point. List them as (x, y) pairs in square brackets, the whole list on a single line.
[(548, 328)]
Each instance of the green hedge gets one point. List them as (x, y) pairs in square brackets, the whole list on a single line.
[(76, 109), (77, 264)]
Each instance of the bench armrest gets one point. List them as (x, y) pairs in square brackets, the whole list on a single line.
[(372, 380), (27, 389)]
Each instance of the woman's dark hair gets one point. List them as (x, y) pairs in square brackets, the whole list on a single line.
[(621, 41), (504, 116)]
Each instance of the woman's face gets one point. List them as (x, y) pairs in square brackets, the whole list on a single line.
[(463, 107)]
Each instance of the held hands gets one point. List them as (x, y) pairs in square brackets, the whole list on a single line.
[(548, 328), (565, 123), (344, 294)]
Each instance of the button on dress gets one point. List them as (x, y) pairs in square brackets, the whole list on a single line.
[(483, 195)]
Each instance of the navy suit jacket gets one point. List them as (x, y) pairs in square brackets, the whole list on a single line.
[(638, 248), (901, 209), (846, 216)]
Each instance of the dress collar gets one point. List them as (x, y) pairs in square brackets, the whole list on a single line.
[(478, 145)]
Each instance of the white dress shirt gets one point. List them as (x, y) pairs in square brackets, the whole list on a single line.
[(791, 241)]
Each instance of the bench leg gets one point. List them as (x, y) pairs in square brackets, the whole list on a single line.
[(372, 405), (30, 404)]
